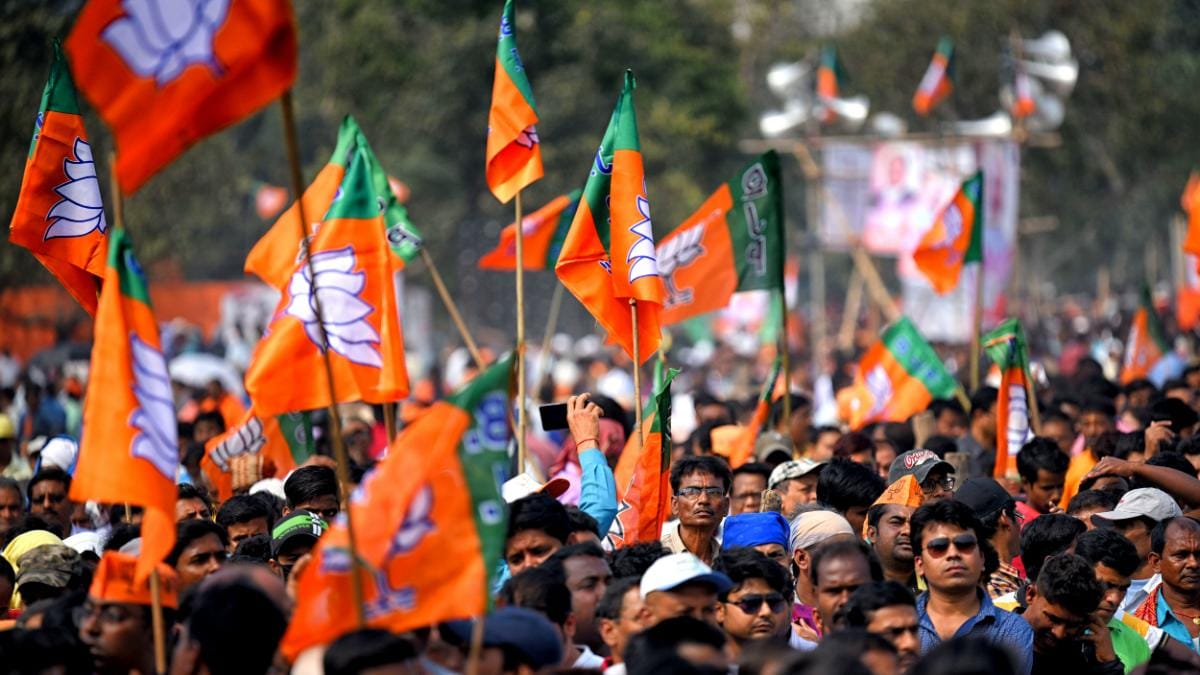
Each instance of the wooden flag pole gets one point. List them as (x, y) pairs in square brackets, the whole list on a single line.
[(551, 326), (475, 650), (521, 375), (156, 619), (637, 375), (976, 325), (335, 425), (1034, 414), (785, 361), (452, 307), (389, 421)]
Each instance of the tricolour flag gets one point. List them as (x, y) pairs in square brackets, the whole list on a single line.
[(129, 453), (1147, 342), (743, 448), (59, 215), (164, 75), (285, 441), (829, 80), (898, 377), (1006, 348), (354, 282), (956, 237), (938, 81), (544, 231), (734, 242), (608, 258), (645, 500), (514, 153), (1023, 104), (429, 523)]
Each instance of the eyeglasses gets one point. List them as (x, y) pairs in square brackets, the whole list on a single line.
[(938, 546), (751, 603), (692, 492), (932, 484)]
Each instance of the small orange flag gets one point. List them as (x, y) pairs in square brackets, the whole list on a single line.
[(514, 152), (956, 237), (544, 231), (164, 75), (1190, 201), (129, 453), (283, 440)]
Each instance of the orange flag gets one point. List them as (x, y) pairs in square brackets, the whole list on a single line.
[(938, 81), (544, 231), (514, 152), (164, 75), (1146, 343), (284, 441), (59, 215), (1190, 201), (956, 237), (1005, 346), (354, 282), (744, 447), (608, 259), (645, 500), (129, 452)]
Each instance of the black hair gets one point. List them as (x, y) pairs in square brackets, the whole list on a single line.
[(1107, 547), (582, 522), (257, 547), (611, 410), (272, 503), (967, 656), (1103, 500), (799, 402), (309, 483), (843, 485), (856, 641), (1055, 414), (237, 625), (209, 416), (940, 405), (1129, 443), (1098, 404), (853, 443), (668, 635), (1189, 446), (6, 571), (752, 469), (10, 484), (946, 512), (541, 589), (1139, 384), (1040, 453), (613, 600), (869, 598), (586, 549), (846, 547), (687, 466), (46, 474), (30, 522), (1047, 535), (188, 531), (817, 432), (539, 511), (243, 509), (189, 491), (1170, 460), (1179, 414), (900, 435), (121, 534), (1158, 534), (1067, 580), (367, 648), (940, 445), (635, 559), (743, 563), (1116, 489), (982, 399)]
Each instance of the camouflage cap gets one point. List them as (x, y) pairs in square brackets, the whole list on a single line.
[(51, 564)]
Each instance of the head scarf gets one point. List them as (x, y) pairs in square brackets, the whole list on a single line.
[(814, 527), (19, 546), (755, 529)]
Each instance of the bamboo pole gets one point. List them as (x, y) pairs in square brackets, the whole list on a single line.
[(976, 327), (335, 425), (637, 374), (785, 361), (452, 307), (850, 310), (389, 421), (1034, 414), (476, 647), (156, 620), (521, 375), (551, 326)]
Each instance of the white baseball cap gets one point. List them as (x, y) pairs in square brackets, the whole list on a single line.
[(1149, 503), (523, 485), (677, 569)]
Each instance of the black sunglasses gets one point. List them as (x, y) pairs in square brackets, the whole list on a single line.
[(938, 546), (750, 603)]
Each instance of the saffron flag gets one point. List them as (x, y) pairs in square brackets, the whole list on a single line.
[(429, 522), (897, 378), (59, 215), (956, 237), (164, 75), (1023, 104), (733, 242), (829, 79), (284, 441), (514, 152), (1006, 348), (645, 501), (544, 231), (608, 260), (353, 280), (1147, 342), (744, 446), (938, 81), (1190, 201), (129, 452)]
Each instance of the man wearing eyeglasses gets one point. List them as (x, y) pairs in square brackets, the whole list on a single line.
[(946, 538), (756, 607), (700, 500), (933, 474), (114, 622)]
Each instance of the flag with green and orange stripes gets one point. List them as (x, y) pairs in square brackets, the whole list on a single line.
[(514, 153)]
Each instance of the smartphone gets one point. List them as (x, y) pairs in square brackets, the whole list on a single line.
[(554, 416)]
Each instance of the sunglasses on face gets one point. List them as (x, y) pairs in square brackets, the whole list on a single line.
[(750, 603), (932, 484), (938, 546)]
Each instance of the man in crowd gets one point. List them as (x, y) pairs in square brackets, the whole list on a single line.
[(115, 621), (537, 527), (767, 532), (234, 622), (515, 640), (48, 492), (888, 529), (849, 488), (587, 575), (1058, 427), (933, 474), (192, 503), (293, 537), (12, 504), (1043, 469), (1090, 502), (313, 489), (700, 499), (1138, 512), (1096, 417), (1175, 605), (949, 418), (997, 512), (201, 548), (757, 606), (542, 589), (749, 481), (680, 584), (838, 569), (1114, 560), (617, 616), (979, 443), (1060, 607), (808, 532), (886, 608), (795, 482), (244, 516), (12, 465)]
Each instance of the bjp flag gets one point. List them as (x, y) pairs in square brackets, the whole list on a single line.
[(352, 277), (1147, 342), (59, 215), (897, 378), (1005, 346), (743, 448), (645, 500), (514, 152), (429, 523), (1190, 201), (956, 237), (284, 441), (543, 230), (608, 258), (829, 79), (129, 452), (734, 242), (938, 81), (164, 75)]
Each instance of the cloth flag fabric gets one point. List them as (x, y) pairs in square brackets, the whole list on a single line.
[(904, 492), (734, 242), (938, 81), (514, 152), (59, 215), (1023, 104), (898, 377), (1147, 342), (1006, 347), (1190, 201), (829, 80), (285, 441), (129, 452), (544, 232), (354, 282), (955, 239), (429, 523), (608, 258), (646, 497), (744, 447), (164, 75)]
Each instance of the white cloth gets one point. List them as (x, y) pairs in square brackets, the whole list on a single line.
[(588, 659), (1139, 590)]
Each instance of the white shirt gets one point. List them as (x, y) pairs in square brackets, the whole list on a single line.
[(588, 659), (1139, 590)]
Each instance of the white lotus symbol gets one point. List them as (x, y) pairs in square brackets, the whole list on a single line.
[(80, 210), (417, 522), (527, 138), (641, 258), (155, 415), (161, 38), (247, 438), (338, 287)]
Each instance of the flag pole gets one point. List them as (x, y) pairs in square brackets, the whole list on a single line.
[(785, 361), (389, 420), (452, 307), (976, 326), (551, 326), (476, 648), (335, 426), (637, 374), (520, 272)]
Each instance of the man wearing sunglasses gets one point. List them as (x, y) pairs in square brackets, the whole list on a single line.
[(756, 607), (946, 538)]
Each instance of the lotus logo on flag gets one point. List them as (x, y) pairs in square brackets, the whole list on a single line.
[(80, 210), (880, 386), (1018, 418), (248, 439), (677, 252), (161, 39), (641, 258), (344, 311), (154, 417)]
